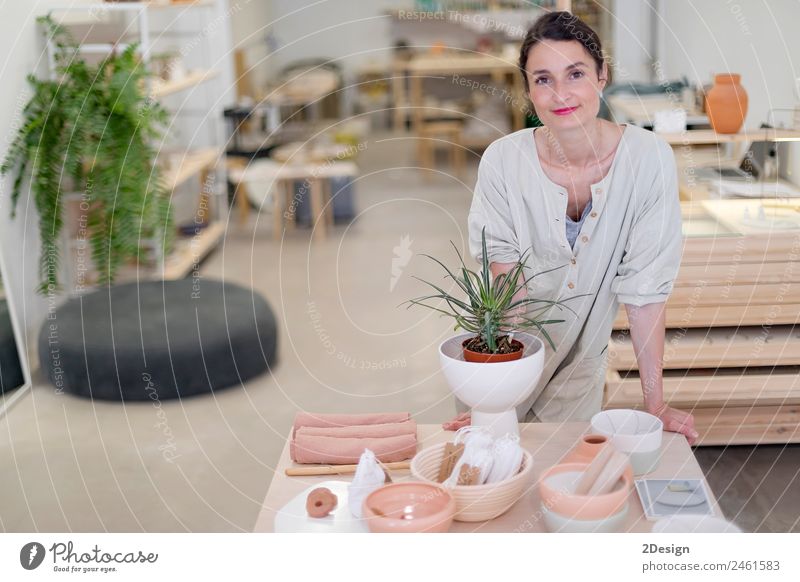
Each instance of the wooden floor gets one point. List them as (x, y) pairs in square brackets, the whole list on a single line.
[(758, 487)]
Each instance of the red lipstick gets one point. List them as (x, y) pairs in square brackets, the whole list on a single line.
[(565, 110)]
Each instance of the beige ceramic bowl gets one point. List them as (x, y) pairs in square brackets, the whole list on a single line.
[(475, 502)]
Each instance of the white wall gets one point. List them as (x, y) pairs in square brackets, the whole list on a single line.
[(354, 31), (250, 23), (632, 41), (756, 39), (21, 53)]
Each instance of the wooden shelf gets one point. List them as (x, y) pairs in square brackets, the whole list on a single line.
[(129, 6), (190, 251), (709, 136), (753, 248), (717, 389), (681, 317), (750, 425), (162, 89), (716, 347), (191, 164)]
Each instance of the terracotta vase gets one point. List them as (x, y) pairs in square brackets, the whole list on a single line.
[(481, 358), (586, 449), (726, 104)]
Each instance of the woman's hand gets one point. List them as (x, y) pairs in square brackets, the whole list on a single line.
[(676, 421), (463, 419)]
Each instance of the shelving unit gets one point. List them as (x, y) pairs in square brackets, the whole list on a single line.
[(161, 89), (196, 101), (709, 136), (192, 164), (188, 253), (732, 348)]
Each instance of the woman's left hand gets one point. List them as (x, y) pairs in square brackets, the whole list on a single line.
[(677, 421)]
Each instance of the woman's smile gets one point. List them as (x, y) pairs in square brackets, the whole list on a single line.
[(565, 110)]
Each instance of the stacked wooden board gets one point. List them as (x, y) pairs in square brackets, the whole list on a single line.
[(732, 350)]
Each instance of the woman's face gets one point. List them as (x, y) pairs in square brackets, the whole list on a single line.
[(563, 84)]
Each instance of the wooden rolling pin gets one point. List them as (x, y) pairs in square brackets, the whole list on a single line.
[(594, 469), (778, 204), (337, 469)]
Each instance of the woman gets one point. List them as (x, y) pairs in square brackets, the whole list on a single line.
[(597, 198)]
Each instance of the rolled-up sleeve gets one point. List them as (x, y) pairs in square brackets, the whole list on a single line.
[(652, 254), (490, 209)]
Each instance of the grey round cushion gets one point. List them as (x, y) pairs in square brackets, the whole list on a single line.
[(158, 339)]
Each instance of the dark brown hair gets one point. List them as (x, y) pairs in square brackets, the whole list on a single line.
[(562, 26)]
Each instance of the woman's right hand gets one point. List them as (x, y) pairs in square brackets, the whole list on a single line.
[(462, 420)]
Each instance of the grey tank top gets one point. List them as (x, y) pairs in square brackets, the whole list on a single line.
[(573, 228)]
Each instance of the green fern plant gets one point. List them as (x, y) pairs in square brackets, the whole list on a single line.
[(91, 129), (489, 309)]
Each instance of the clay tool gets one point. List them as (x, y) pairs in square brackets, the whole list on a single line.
[(593, 470), (610, 474)]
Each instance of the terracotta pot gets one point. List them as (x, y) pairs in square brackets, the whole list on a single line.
[(726, 104), (481, 358)]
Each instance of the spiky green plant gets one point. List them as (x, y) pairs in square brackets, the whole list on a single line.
[(489, 309), (91, 129)]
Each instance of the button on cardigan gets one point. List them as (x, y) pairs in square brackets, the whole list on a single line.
[(628, 251)]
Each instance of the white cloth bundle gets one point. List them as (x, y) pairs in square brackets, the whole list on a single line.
[(477, 453), (507, 455), (369, 476)]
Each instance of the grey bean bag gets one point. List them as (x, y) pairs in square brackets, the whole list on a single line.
[(156, 340)]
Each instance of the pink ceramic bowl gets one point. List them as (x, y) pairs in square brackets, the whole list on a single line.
[(409, 507), (557, 483)]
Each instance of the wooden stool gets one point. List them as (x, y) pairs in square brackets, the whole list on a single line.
[(433, 134)]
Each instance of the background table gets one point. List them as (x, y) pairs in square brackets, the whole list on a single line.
[(547, 442)]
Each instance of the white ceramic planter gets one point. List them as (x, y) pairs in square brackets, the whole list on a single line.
[(493, 390)]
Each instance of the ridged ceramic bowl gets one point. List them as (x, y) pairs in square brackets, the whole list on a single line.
[(475, 502), (633, 432)]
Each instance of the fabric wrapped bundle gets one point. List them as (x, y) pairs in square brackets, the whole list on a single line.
[(340, 439)]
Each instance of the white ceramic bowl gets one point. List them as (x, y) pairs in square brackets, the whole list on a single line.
[(559, 524), (694, 524), (633, 432), (630, 431), (646, 462)]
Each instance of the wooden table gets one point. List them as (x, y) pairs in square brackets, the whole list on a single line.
[(547, 442), (316, 174)]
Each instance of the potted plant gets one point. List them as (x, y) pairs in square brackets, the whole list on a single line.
[(91, 129), (497, 326), (490, 311)]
